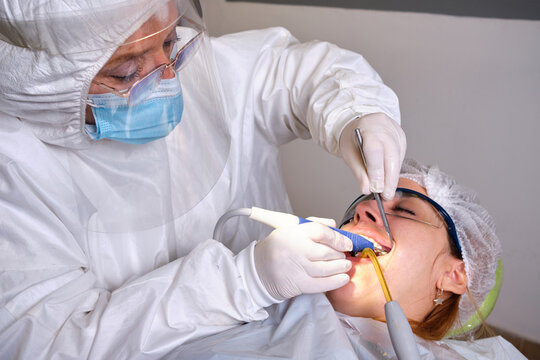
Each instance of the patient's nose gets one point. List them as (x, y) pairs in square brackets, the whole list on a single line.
[(368, 212)]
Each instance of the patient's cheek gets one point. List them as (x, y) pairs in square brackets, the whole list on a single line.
[(331, 295), (341, 298)]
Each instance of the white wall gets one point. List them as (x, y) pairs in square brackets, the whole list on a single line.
[(470, 99)]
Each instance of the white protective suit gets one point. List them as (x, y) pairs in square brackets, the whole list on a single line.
[(68, 290)]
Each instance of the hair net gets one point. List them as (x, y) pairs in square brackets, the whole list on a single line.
[(481, 248), (52, 49), (67, 27)]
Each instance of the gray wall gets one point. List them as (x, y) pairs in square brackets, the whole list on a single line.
[(470, 99)]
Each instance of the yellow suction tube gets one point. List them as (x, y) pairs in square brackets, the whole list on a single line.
[(368, 252), (400, 332)]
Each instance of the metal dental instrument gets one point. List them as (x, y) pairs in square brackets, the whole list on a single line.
[(376, 195)]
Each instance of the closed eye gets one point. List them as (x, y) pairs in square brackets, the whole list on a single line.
[(403, 210), (125, 73), (168, 46), (170, 42), (127, 78)]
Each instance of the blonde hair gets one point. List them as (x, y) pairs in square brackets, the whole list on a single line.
[(439, 321)]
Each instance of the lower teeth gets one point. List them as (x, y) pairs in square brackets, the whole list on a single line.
[(379, 252)]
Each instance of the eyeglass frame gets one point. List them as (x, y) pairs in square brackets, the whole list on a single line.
[(163, 67), (450, 226)]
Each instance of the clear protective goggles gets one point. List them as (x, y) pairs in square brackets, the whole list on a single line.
[(179, 50), (409, 205)]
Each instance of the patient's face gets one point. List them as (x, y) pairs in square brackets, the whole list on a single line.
[(411, 268)]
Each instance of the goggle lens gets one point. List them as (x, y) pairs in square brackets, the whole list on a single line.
[(147, 84)]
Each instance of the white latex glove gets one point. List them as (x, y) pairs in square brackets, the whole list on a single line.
[(384, 146), (302, 259)]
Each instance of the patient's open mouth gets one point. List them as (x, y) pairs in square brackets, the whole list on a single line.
[(378, 249)]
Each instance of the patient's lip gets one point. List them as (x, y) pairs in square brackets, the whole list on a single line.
[(378, 236)]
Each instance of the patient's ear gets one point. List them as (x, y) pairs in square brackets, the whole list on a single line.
[(454, 278)]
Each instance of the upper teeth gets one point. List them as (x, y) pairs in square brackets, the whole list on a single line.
[(377, 248)]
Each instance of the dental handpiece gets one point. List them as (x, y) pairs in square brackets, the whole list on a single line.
[(376, 195), (400, 331), (277, 219)]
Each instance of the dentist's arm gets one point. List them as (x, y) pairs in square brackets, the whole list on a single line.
[(319, 90)]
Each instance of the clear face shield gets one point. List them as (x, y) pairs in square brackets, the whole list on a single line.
[(132, 100), (155, 122)]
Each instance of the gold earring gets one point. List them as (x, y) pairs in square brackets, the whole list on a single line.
[(439, 300)]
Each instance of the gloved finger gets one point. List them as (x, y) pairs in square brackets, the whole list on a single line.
[(394, 159), (392, 167), (324, 235), (361, 175), (319, 285), (351, 156), (374, 153), (355, 163), (324, 221), (327, 268), (318, 252)]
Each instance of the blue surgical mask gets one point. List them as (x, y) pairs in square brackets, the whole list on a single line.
[(152, 119)]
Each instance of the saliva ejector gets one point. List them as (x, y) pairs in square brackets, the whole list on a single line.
[(399, 329)]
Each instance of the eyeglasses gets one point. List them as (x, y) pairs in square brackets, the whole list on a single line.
[(143, 87), (410, 205)]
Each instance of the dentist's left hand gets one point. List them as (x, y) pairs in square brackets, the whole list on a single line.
[(302, 259)]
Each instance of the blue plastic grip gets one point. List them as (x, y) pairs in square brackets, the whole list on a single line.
[(359, 242)]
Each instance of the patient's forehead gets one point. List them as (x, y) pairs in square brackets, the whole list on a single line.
[(410, 184)]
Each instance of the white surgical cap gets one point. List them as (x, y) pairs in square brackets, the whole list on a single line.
[(481, 248)]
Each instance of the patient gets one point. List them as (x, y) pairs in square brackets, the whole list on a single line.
[(436, 274), (435, 271)]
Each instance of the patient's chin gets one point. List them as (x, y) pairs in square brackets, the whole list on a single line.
[(358, 302)]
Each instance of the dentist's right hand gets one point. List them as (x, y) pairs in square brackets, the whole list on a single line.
[(302, 259)]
